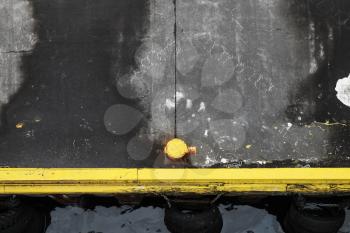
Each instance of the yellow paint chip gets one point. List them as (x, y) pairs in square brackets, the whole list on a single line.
[(248, 146), (19, 125)]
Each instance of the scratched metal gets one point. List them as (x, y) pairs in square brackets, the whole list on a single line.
[(256, 82), (106, 83)]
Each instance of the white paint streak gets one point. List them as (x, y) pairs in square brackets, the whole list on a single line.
[(201, 107), (169, 104), (223, 160), (188, 104), (313, 62), (179, 95), (17, 34), (343, 90)]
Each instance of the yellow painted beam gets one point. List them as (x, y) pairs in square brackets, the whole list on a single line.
[(173, 181)]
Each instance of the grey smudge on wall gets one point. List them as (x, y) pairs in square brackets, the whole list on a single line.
[(151, 59), (17, 36), (228, 134), (135, 85), (186, 55), (120, 119), (140, 147), (228, 101), (217, 70), (162, 111), (153, 79), (269, 47)]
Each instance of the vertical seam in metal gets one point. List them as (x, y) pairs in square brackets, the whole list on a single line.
[(175, 61)]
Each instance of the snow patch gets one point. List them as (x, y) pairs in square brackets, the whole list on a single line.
[(343, 90), (148, 219)]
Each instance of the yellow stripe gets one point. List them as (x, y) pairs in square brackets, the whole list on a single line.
[(173, 181)]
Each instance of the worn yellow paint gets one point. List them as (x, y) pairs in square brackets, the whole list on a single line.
[(173, 181), (19, 125), (248, 146)]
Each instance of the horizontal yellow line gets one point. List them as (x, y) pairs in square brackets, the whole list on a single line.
[(173, 181)]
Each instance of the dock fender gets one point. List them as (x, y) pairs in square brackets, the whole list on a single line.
[(321, 220), (196, 220)]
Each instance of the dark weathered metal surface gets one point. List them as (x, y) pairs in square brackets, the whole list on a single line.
[(65, 82), (105, 83), (260, 71), (263, 77)]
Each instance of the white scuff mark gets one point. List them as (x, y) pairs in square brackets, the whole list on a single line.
[(343, 90), (206, 133), (209, 160), (261, 162), (284, 130), (162, 111), (189, 104), (169, 104), (179, 95), (322, 53), (313, 63), (201, 107), (238, 23), (223, 160), (208, 3), (313, 66), (260, 77), (29, 134)]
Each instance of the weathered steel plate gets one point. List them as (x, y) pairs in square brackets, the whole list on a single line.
[(106, 83)]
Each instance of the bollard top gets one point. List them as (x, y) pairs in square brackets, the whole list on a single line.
[(177, 149)]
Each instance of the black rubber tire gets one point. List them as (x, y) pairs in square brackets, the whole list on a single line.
[(22, 219), (320, 221), (38, 223), (15, 220), (207, 220)]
